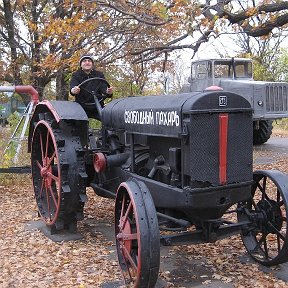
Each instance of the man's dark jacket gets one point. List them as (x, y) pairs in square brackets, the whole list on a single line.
[(94, 85)]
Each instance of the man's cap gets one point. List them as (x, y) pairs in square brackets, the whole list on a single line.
[(86, 56)]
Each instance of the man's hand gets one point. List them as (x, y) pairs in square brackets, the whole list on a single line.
[(75, 90), (109, 90)]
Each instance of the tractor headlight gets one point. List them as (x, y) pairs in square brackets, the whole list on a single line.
[(260, 103)]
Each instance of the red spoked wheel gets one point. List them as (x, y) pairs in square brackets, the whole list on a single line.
[(58, 172), (46, 172), (137, 234), (266, 238)]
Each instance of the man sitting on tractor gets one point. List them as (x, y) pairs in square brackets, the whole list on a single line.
[(85, 90)]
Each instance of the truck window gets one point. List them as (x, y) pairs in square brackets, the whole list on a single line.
[(198, 71), (193, 71), (201, 71), (222, 69), (243, 69)]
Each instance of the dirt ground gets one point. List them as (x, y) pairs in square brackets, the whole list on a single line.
[(30, 259)]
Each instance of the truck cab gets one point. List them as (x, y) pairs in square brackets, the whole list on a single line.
[(211, 72)]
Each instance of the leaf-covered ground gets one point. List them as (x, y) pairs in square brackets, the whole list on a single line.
[(30, 259)]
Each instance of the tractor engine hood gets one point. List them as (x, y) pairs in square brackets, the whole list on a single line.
[(163, 115)]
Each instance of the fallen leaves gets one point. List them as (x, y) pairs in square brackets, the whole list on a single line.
[(29, 259)]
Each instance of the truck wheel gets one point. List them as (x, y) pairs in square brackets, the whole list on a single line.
[(265, 231), (137, 234), (56, 172), (262, 131)]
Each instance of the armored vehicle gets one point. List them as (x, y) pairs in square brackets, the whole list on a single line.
[(269, 100)]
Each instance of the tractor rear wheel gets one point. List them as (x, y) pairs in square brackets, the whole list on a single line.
[(137, 234), (262, 131), (266, 238), (58, 174)]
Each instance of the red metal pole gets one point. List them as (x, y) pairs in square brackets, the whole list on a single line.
[(22, 89), (30, 90)]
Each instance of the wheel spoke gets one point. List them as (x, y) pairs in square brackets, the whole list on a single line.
[(123, 206), (278, 196), (38, 164), (42, 187), (258, 248), (265, 246), (48, 202), (55, 178), (128, 257), (264, 186), (53, 196), (276, 231), (261, 188), (259, 243), (41, 146), (124, 219), (129, 236), (47, 145), (254, 204), (50, 159)]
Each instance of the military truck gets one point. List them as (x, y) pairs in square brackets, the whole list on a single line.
[(269, 100)]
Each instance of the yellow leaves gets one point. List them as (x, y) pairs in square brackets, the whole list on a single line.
[(222, 278), (197, 11), (205, 21), (159, 10), (32, 26), (251, 11)]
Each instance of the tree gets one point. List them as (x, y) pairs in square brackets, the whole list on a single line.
[(202, 20), (266, 53), (42, 40), (283, 65)]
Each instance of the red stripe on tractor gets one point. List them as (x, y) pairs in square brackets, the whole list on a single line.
[(223, 138)]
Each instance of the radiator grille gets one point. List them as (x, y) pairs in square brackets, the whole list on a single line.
[(277, 98), (204, 148)]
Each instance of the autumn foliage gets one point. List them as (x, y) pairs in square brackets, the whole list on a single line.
[(42, 40)]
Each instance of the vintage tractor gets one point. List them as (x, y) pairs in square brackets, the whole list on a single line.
[(181, 164)]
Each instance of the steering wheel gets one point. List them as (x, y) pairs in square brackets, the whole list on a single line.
[(97, 96), (97, 91)]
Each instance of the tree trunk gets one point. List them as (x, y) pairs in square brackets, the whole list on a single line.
[(62, 89)]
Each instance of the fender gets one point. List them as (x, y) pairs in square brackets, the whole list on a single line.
[(61, 110)]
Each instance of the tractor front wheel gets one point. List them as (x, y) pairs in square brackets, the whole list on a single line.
[(266, 238), (137, 234)]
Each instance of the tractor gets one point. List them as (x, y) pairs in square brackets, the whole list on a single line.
[(179, 168)]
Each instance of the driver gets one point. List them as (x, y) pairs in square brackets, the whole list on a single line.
[(84, 94)]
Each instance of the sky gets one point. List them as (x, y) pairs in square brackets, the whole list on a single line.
[(210, 49)]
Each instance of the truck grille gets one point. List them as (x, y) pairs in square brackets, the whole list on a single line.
[(276, 98)]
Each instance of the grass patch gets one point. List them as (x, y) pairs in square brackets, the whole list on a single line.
[(280, 127)]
